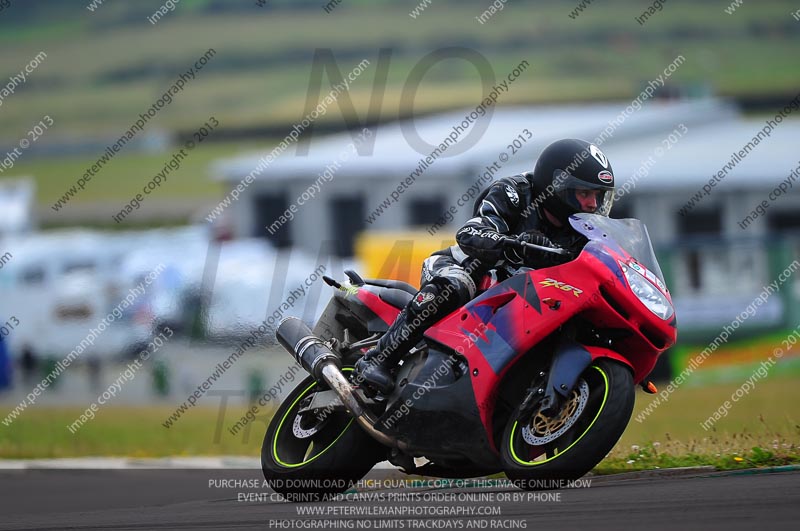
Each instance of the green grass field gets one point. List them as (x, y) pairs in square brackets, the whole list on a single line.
[(101, 70), (761, 429), (128, 431), (126, 174)]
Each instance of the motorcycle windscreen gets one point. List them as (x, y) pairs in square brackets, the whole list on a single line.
[(630, 234)]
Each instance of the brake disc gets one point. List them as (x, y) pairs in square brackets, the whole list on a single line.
[(307, 424), (300, 428), (543, 430)]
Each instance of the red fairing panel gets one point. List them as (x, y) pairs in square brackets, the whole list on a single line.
[(384, 310)]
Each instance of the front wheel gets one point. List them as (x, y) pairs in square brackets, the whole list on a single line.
[(571, 444), (306, 456)]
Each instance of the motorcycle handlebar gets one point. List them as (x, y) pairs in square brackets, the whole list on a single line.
[(520, 245)]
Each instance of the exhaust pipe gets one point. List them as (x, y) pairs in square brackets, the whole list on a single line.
[(325, 366), (309, 350)]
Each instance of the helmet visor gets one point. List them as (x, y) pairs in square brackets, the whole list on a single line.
[(566, 187)]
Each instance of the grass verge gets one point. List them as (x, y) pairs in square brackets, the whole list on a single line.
[(759, 430)]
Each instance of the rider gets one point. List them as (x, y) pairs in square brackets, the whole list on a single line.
[(570, 176)]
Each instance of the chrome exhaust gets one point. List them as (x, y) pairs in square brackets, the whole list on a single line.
[(324, 365)]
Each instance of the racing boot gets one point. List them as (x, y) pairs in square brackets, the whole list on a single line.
[(375, 366)]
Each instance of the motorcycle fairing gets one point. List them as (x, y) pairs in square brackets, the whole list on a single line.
[(511, 326), (503, 324), (506, 322), (368, 307), (428, 411)]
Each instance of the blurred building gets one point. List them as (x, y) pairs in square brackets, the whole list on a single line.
[(16, 206), (663, 155)]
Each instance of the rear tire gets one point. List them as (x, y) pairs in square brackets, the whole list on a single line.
[(307, 459), (571, 445)]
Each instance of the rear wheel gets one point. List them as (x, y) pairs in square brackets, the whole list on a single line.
[(569, 445), (306, 456)]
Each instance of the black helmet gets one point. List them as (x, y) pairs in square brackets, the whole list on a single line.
[(566, 165)]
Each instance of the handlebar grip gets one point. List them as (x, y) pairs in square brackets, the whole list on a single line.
[(511, 243)]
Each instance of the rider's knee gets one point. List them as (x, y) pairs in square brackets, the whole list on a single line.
[(456, 283)]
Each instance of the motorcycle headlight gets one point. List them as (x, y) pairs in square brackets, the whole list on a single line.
[(654, 300)]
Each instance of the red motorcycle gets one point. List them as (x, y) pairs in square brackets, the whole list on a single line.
[(535, 377)]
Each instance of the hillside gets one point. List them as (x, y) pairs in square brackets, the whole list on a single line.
[(105, 67)]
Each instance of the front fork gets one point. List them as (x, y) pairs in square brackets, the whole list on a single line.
[(550, 389)]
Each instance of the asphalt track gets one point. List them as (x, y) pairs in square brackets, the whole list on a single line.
[(198, 499)]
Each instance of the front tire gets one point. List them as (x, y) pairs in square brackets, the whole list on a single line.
[(570, 445), (305, 458)]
